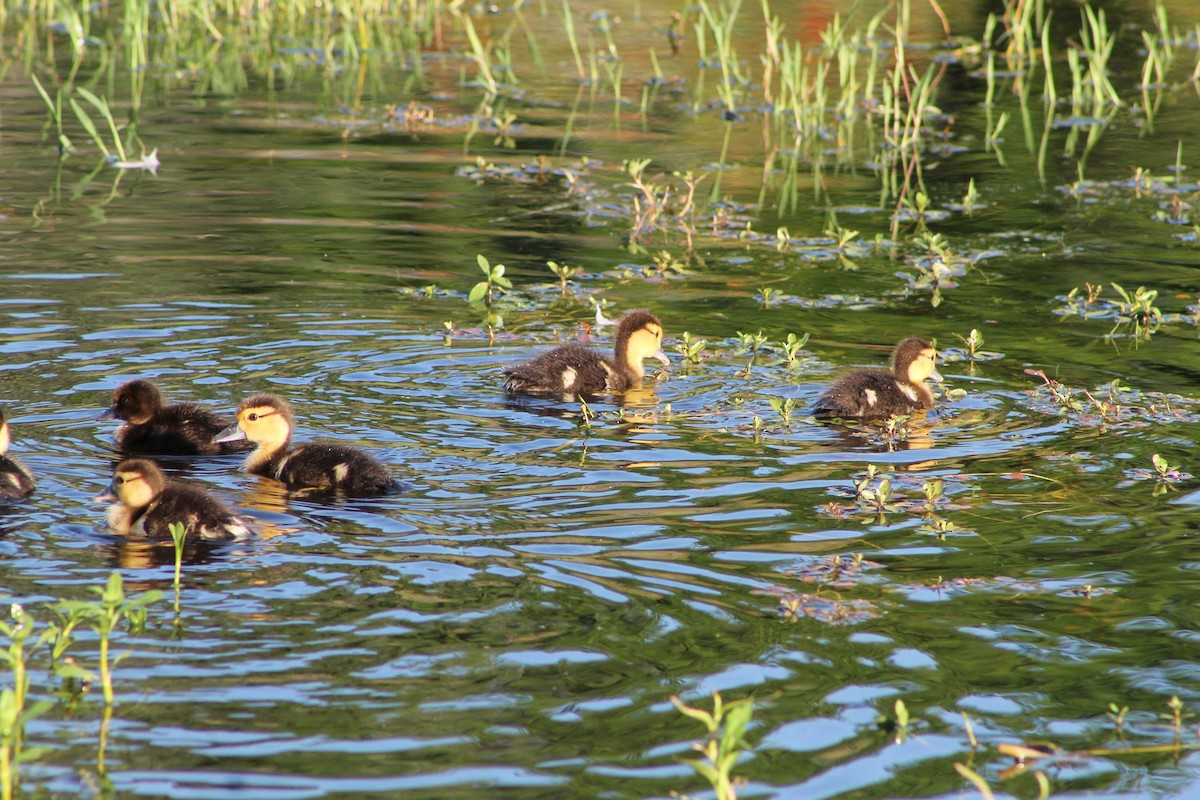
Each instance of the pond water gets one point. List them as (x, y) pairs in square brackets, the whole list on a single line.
[(516, 622)]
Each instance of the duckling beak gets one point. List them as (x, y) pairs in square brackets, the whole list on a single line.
[(105, 496), (109, 413), (661, 356), (230, 434), (937, 376)]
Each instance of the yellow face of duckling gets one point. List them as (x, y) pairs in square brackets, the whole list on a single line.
[(133, 487), (924, 366), (264, 425), (645, 342)]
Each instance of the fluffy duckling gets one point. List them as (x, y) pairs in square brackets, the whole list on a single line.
[(15, 480), (179, 429), (577, 370), (874, 393), (147, 504), (266, 420)]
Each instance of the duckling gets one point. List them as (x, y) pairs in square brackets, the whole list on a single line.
[(147, 504), (266, 420), (578, 370), (179, 429), (875, 393), (15, 480)]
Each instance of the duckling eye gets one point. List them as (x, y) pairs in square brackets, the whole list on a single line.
[(252, 417), (118, 480)]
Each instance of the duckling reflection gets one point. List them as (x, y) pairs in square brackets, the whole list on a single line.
[(152, 553), (16, 481), (266, 420), (572, 369), (883, 393), (892, 435), (153, 428)]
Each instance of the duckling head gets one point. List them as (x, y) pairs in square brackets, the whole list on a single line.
[(134, 401), (264, 419), (136, 482), (639, 336), (915, 360), (4, 435)]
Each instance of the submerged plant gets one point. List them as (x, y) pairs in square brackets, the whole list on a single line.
[(726, 727)]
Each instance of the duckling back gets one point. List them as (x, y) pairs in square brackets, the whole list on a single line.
[(871, 394), (180, 429), (331, 467), (201, 514), (570, 369)]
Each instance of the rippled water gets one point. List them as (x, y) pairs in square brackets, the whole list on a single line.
[(515, 623)]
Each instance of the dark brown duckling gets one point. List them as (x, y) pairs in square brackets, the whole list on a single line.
[(266, 420), (881, 393), (15, 480), (577, 370), (147, 504), (179, 429)]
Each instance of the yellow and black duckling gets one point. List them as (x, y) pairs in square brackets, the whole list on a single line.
[(875, 393), (147, 504), (15, 481), (152, 427), (578, 370), (266, 420)]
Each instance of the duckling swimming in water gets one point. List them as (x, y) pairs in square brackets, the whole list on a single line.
[(266, 420), (147, 504), (578, 370), (876, 393), (179, 429), (15, 480)]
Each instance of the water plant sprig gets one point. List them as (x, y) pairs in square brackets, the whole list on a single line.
[(564, 273), (104, 615), (726, 727), (493, 281), (691, 348)]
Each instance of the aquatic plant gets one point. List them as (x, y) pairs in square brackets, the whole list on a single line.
[(726, 726), (690, 348), (783, 406), (493, 281), (104, 615), (792, 347), (564, 273)]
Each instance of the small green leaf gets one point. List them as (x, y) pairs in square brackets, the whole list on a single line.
[(478, 292)]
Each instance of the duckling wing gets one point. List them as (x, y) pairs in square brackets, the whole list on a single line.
[(571, 368), (15, 480), (867, 393), (201, 514), (181, 429), (331, 466)]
